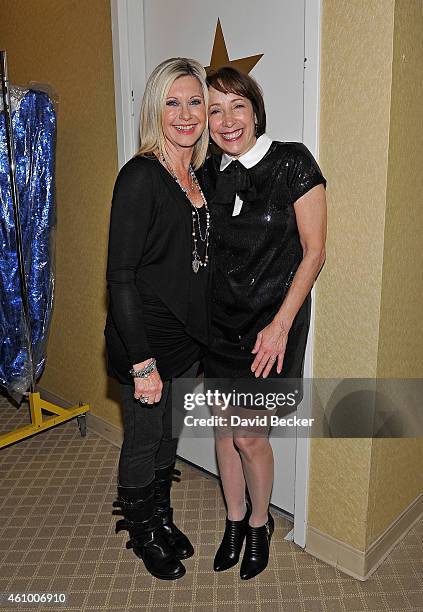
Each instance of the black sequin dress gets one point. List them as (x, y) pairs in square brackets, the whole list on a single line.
[(255, 256)]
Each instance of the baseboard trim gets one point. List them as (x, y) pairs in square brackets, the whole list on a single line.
[(103, 428), (111, 433), (53, 398), (354, 562)]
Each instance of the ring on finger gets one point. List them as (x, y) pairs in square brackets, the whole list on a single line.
[(143, 399)]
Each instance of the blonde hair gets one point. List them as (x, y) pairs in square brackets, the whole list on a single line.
[(153, 104)]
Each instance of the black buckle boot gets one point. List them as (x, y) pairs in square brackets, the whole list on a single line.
[(164, 513), (256, 554), (227, 554), (146, 537)]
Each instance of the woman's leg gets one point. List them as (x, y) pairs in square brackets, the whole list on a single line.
[(232, 476), (233, 484), (164, 474), (245, 456), (143, 432), (136, 487), (166, 453), (257, 462)]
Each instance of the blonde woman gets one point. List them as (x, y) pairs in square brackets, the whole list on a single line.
[(156, 325)]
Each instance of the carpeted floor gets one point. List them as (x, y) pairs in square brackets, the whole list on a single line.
[(57, 536)]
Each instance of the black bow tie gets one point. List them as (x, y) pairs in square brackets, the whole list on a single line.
[(235, 179)]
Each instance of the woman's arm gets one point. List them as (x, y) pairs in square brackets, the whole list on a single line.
[(130, 221), (310, 212)]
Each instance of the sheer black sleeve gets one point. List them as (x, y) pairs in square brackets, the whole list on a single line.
[(131, 215), (303, 173)]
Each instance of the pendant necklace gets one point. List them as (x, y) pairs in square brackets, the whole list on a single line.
[(197, 262)]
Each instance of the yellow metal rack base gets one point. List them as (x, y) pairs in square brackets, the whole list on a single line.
[(36, 405)]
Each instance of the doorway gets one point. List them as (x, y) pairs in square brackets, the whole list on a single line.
[(287, 35)]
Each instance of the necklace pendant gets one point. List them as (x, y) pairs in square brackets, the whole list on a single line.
[(195, 265)]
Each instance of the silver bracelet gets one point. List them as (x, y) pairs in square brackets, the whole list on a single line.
[(145, 371)]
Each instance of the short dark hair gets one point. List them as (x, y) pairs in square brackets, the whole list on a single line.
[(231, 80)]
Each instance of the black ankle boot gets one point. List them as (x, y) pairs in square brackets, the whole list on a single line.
[(163, 511), (256, 554), (146, 537), (227, 554)]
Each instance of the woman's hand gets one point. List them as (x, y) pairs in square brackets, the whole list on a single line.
[(149, 387), (270, 345)]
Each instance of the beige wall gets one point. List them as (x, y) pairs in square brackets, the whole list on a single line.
[(400, 350), (367, 296), (356, 64), (354, 131), (68, 44)]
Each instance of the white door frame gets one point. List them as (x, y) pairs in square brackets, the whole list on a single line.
[(128, 32)]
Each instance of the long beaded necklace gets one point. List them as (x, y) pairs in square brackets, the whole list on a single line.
[(196, 260)]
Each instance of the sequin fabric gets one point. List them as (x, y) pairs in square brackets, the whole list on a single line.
[(255, 256), (34, 127)]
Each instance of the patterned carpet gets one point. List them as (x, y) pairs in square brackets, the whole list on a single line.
[(57, 536)]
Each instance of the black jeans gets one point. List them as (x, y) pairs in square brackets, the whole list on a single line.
[(147, 440)]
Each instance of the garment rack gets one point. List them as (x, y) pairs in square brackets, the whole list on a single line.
[(36, 404)]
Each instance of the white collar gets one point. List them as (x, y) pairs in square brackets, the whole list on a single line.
[(252, 156)]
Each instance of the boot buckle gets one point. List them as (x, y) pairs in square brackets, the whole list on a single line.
[(121, 525)]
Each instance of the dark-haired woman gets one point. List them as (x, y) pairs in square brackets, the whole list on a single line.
[(268, 212)]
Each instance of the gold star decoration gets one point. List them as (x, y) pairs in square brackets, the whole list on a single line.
[(220, 57)]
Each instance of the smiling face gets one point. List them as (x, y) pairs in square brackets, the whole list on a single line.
[(184, 116), (231, 122)]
